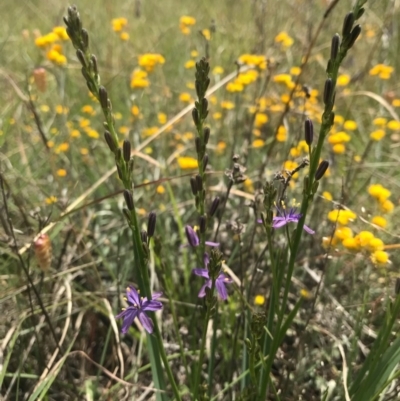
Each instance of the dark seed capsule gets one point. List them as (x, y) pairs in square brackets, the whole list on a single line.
[(193, 184), (109, 140), (151, 225), (202, 224), (360, 12), (197, 142), (143, 236), (214, 206), (93, 59), (81, 58), (205, 162), (355, 33), (328, 91), (126, 150), (206, 134), (397, 287), (103, 97), (128, 199), (308, 131), (195, 116), (199, 182), (347, 24), (335, 46), (321, 170)]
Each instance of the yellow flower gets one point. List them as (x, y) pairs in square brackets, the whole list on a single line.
[(281, 135), (382, 70), (217, 115), (339, 148), (387, 206), (190, 64), (284, 39), (248, 184), (217, 70), (327, 195), (118, 24), (260, 119), (379, 221), (135, 110), (377, 135), (185, 97), (257, 60), (88, 109), (350, 125), (221, 146), (124, 130), (343, 217), (295, 71), (148, 61), (259, 300), (206, 33), (380, 258), (149, 131), (61, 32), (194, 53), (338, 119), (342, 233), (396, 102), (227, 105), (50, 144), (364, 238), (379, 121), (258, 143), (44, 108), (51, 199), (124, 36), (186, 162), (305, 294), (282, 78), (84, 151), (92, 133), (184, 23), (62, 148), (376, 244), (339, 137), (61, 172), (394, 125), (75, 133), (162, 118), (160, 189), (343, 80), (234, 87), (351, 244), (328, 241), (379, 192), (139, 79)]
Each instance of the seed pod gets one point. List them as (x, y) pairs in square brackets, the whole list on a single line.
[(335, 46), (195, 116), (308, 131), (347, 24), (355, 33), (202, 224), (205, 162), (42, 247), (199, 183), (193, 184), (206, 134), (126, 150), (321, 170), (214, 206), (328, 91), (151, 225), (103, 97), (81, 58), (128, 199), (93, 59), (197, 143)]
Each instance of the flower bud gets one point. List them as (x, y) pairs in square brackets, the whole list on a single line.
[(321, 170), (205, 162), (128, 199), (206, 134), (355, 33), (193, 184), (81, 58), (103, 97), (199, 182), (151, 224), (347, 24), (143, 236), (335, 46), (308, 131), (328, 91), (109, 140), (126, 150), (202, 224), (214, 206), (195, 116)]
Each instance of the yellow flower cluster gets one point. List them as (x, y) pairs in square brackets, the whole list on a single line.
[(382, 71), (187, 162), (284, 39), (185, 22), (340, 138), (149, 61), (118, 25), (51, 42), (242, 80), (381, 194), (256, 60), (139, 79), (301, 148)]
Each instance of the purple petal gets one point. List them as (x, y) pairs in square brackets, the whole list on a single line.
[(308, 229), (152, 306), (192, 237), (201, 273), (221, 289), (129, 315), (206, 259), (278, 223), (210, 243), (147, 323), (133, 296), (224, 278), (202, 292)]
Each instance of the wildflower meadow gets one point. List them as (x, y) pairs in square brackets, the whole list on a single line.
[(199, 200)]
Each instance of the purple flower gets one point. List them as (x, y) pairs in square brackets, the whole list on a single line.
[(285, 217), (194, 240), (219, 282), (137, 308)]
